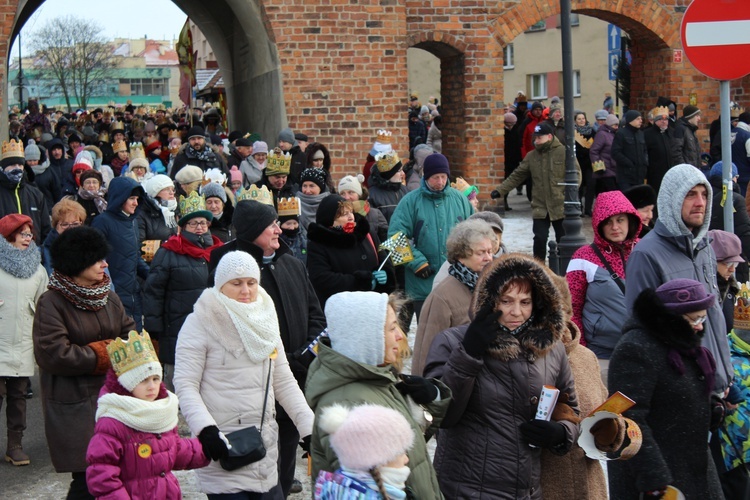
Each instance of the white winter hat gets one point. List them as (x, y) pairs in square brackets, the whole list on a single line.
[(362, 340), (352, 183), (156, 183), (366, 437), (235, 265)]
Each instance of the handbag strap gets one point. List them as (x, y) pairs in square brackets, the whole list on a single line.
[(265, 394), (612, 274)]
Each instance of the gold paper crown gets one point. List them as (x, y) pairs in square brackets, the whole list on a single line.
[(736, 111), (136, 151), (13, 149), (289, 207), (386, 161), (742, 308), (580, 139), (174, 134), (192, 203), (460, 184), (384, 137), (119, 146), (104, 136), (278, 163), (136, 351), (660, 111), (117, 126), (262, 195)]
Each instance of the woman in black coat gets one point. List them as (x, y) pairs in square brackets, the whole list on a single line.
[(341, 253), (660, 364)]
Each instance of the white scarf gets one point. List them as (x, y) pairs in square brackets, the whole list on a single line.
[(256, 323), (157, 416)]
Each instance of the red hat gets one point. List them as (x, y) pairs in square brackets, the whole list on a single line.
[(12, 222), (154, 145)]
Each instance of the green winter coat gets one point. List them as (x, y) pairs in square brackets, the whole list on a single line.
[(547, 171), (426, 218), (334, 378)]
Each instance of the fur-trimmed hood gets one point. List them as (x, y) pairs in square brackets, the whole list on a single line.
[(547, 320), (672, 329)]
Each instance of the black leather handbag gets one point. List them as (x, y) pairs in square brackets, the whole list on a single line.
[(247, 444)]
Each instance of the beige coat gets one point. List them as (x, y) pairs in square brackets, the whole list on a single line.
[(445, 307), (218, 384), (19, 297)]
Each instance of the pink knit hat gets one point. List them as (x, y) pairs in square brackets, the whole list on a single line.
[(235, 174), (367, 436)]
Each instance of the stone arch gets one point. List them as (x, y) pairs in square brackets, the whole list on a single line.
[(240, 35), (450, 50)]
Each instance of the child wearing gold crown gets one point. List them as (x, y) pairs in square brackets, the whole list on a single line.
[(135, 445)]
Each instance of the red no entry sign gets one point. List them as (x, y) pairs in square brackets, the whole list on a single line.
[(716, 37)]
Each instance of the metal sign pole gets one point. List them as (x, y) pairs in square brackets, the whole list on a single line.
[(726, 157)]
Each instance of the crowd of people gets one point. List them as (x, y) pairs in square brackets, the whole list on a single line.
[(152, 267)]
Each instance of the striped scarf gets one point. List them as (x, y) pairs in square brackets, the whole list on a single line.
[(88, 298)]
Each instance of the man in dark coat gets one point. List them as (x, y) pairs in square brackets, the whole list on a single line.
[(198, 153), (659, 148), (301, 319), (119, 226), (512, 147), (685, 146), (62, 166), (18, 195), (629, 152), (417, 130), (45, 178)]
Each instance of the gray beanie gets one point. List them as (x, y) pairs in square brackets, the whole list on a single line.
[(287, 135), (215, 190), (31, 152), (675, 185), (363, 340)]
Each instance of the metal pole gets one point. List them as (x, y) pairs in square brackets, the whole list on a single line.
[(573, 238), (726, 157), (20, 74)]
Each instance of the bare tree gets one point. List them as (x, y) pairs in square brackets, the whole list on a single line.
[(76, 54)]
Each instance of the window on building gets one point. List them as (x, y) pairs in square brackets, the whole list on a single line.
[(145, 86), (508, 56), (577, 83), (540, 26), (538, 86)]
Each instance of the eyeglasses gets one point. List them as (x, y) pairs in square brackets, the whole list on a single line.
[(193, 224), (66, 225), (697, 321), (28, 236)]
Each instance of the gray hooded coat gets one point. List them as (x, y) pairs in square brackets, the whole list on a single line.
[(672, 251)]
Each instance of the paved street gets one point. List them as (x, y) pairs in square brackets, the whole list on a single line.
[(39, 480)]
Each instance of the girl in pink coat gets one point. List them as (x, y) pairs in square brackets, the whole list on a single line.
[(135, 445)]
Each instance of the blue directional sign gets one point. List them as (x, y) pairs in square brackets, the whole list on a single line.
[(614, 40)]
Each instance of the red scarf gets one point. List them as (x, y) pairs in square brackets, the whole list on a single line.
[(181, 245)]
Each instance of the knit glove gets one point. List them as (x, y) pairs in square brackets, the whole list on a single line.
[(421, 390), (482, 331), (425, 271), (102, 357), (543, 434), (380, 277), (214, 443), (305, 445)]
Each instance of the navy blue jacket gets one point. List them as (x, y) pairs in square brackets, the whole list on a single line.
[(121, 231)]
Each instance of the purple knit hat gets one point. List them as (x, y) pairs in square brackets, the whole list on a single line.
[(682, 296), (436, 163)]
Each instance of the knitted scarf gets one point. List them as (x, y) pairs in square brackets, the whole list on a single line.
[(309, 207), (118, 165), (256, 323), (204, 154), (703, 359), (87, 298), (19, 263), (463, 274), (97, 196), (179, 244), (157, 416)]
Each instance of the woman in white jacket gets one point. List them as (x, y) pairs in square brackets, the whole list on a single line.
[(224, 352), (22, 280)]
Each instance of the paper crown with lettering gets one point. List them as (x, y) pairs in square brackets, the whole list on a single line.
[(133, 360), (192, 206), (742, 308), (136, 151), (262, 195), (386, 161), (12, 153), (289, 207), (660, 111), (278, 163)]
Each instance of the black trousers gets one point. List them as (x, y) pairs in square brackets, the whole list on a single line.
[(78, 488), (541, 235), (288, 443)]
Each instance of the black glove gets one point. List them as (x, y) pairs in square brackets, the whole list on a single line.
[(718, 411), (213, 446), (482, 331), (425, 272), (421, 390), (543, 434), (305, 445), (495, 194)]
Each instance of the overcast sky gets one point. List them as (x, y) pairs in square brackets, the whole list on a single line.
[(157, 19)]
